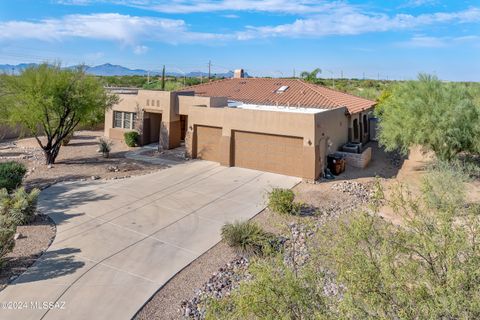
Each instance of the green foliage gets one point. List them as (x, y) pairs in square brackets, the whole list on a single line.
[(171, 83), (52, 101), (275, 292), (15, 209), (19, 206), (441, 117), (7, 241), (104, 145), (248, 238), (11, 175), (310, 76), (428, 268), (283, 201), (168, 86), (131, 138)]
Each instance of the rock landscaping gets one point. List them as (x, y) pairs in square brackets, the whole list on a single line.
[(31, 241), (78, 161), (295, 250), (361, 192), (219, 285)]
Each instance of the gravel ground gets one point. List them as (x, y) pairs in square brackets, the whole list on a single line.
[(78, 160), (34, 239)]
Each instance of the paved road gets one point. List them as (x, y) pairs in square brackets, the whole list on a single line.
[(118, 242)]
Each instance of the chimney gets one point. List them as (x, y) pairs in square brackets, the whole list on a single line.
[(238, 73)]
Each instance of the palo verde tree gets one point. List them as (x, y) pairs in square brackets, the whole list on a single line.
[(50, 101), (441, 117)]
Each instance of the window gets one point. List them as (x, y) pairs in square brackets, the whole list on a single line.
[(117, 119), (125, 120), (282, 89)]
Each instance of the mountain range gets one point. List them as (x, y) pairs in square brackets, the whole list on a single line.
[(109, 69)]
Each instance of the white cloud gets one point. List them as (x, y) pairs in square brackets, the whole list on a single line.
[(350, 21), (140, 50), (418, 3), (195, 6), (422, 41), (134, 31), (125, 29), (231, 16)]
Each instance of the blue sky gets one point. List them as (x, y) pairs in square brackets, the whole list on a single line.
[(394, 39)]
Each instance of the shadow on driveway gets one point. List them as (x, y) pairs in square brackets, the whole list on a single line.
[(53, 264)]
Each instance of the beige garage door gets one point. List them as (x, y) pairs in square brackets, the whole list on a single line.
[(279, 154), (208, 141)]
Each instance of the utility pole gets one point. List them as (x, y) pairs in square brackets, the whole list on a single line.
[(364, 76), (293, 73), (209, 69), (378, 75), (342, 75)]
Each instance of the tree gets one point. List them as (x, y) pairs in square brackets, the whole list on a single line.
[(52, 101), (441, 117), (310, 76), (163, 78), (427, 268)]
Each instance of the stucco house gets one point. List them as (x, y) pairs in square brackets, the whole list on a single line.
[(285, 126)]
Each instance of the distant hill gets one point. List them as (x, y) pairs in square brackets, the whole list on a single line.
[(108, 69)]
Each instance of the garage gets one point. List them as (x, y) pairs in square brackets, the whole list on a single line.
[(207, 143), (266, 152)]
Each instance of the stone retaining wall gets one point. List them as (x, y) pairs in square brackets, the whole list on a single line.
[(358, 160)]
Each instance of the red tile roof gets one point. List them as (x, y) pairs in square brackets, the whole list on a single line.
[(263, 91)]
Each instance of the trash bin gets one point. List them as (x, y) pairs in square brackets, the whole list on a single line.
[(336, 163)]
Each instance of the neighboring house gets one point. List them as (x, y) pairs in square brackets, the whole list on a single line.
[(285, 126)]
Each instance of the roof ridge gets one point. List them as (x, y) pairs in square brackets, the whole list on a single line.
[(206, 83), (311, 87), (345, 93)]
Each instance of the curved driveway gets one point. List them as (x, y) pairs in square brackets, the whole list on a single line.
[(119, 241)]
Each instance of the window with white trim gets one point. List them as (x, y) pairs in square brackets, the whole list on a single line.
[(124, 120)]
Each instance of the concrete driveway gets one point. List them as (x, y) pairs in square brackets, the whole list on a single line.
[(118, 242)]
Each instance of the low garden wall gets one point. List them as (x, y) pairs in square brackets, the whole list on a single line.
[(358, 160)]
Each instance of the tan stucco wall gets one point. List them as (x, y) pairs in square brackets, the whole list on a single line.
[(320, 133)]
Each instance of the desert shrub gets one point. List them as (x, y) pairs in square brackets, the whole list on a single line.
[(104, 146), (427, 268), (441, 117), (7, 233), (19, 206), (131, 138), (15, 209), (275, 292), (11, 175), (283, 201), (248, 238)]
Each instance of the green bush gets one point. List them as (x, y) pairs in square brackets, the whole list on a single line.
[(248, 238), (275, 291), (15, 209), (131, 138), (427, 268), (282, 201), (7, 233), (19, 206), (104, 146), (11, 175)]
